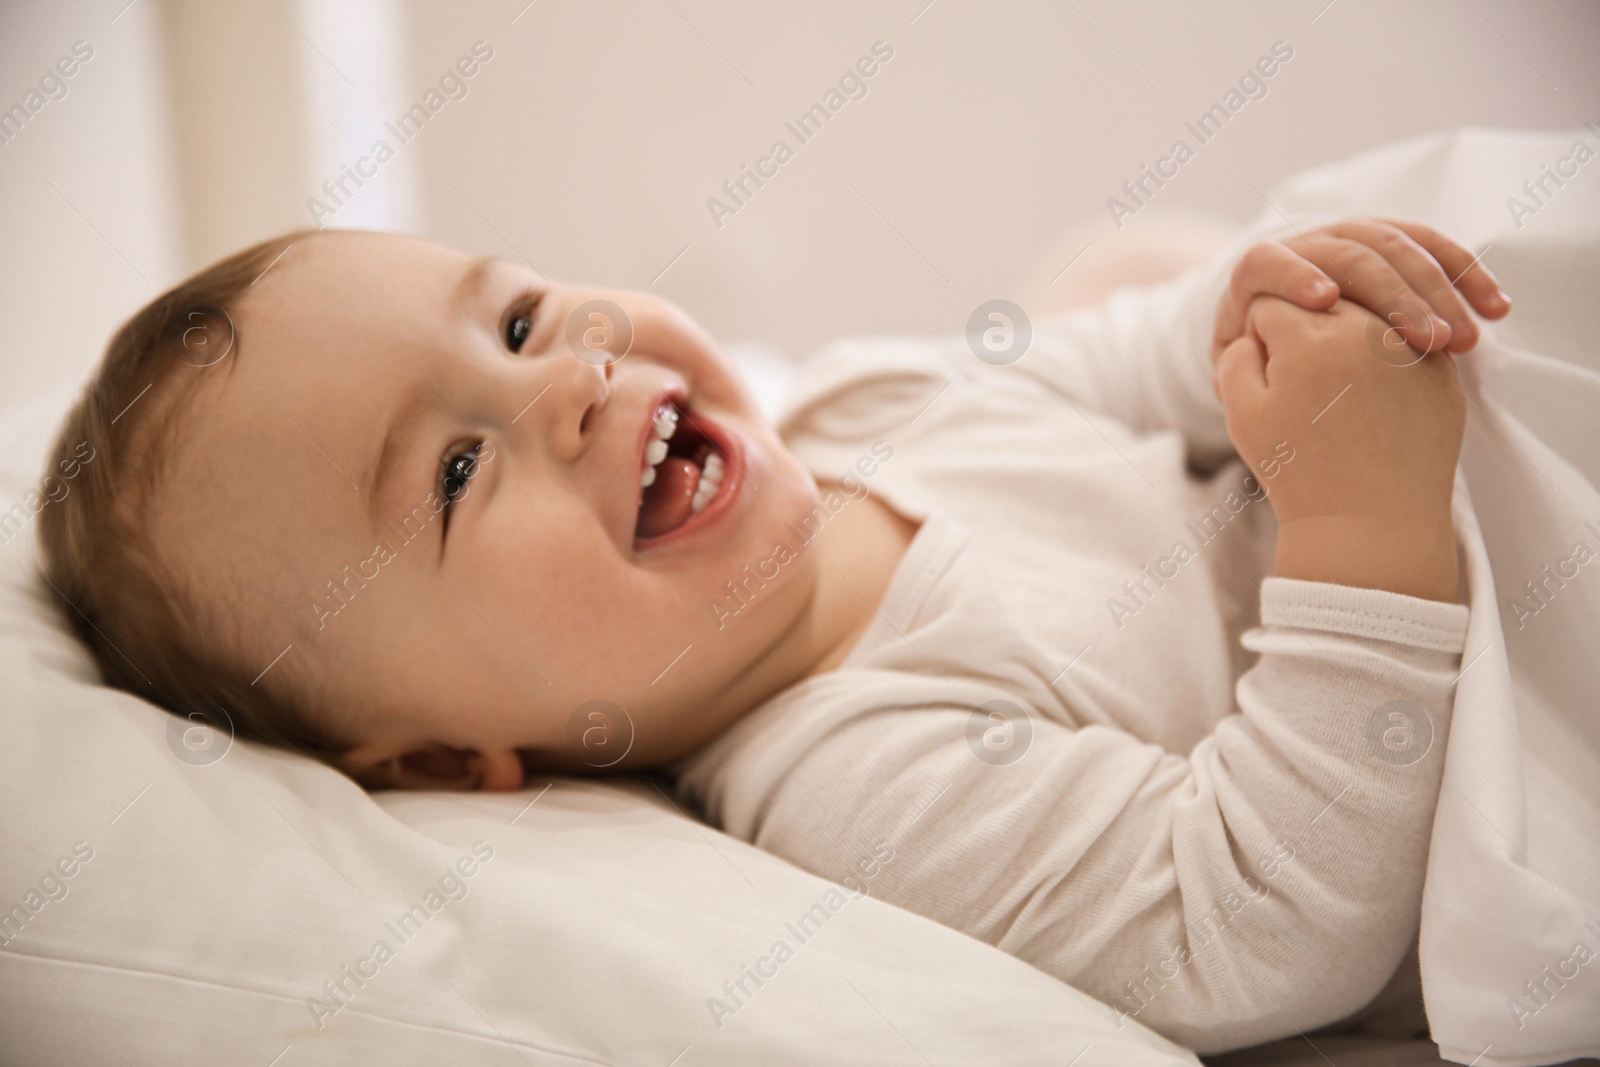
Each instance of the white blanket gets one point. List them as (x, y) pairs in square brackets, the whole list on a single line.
[(1513, 885)]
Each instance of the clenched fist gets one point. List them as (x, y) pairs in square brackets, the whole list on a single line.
[(1376, 426)]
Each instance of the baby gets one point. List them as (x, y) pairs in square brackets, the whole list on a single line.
[(442, 523)]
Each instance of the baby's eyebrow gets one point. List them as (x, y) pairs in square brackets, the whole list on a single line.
[(474, 279)]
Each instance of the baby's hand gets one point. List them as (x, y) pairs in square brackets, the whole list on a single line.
[(1375, 429), (1400, 271)]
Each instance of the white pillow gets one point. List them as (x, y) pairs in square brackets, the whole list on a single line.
[(183, 912)]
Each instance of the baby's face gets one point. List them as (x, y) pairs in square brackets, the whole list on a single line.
[(379, 377)]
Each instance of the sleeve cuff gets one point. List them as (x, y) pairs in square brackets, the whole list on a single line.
[(1374, 613)]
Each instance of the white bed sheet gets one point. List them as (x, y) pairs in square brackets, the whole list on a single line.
[(1513, 882)]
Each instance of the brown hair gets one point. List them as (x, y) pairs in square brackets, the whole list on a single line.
[(123, 603)]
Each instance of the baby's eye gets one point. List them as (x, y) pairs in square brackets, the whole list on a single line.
[(520, 326), (457, 471), (518, 332)]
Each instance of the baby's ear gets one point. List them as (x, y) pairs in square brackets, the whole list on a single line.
[(434, 766), (497, 770)]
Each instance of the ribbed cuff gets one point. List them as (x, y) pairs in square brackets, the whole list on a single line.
[(1375, 613)]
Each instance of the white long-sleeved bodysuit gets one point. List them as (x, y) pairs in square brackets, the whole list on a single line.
[(1205, 794)]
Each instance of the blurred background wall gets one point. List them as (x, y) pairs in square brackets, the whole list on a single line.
[(976, 161)]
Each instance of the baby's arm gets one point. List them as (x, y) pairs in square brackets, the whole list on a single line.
[(1268, 881)]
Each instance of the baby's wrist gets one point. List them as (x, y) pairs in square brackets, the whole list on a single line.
[(1410, 554)]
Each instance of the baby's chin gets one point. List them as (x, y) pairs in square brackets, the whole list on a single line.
[(776, 523)]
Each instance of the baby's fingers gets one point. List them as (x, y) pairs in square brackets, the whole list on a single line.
[(1269, 268), (1410, 281), (1368, 278), (1241, 372), (1466, 271)]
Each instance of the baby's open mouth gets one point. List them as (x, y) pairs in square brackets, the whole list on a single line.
[(682, 473)]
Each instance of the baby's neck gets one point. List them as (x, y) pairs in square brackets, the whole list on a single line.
[(856, 555), (866, 541)]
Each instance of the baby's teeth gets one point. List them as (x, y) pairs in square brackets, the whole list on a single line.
[(655, 452), (648, 478), (710, 482), (666, 422)]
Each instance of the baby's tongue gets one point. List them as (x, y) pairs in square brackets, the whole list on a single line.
[(667, 501)]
